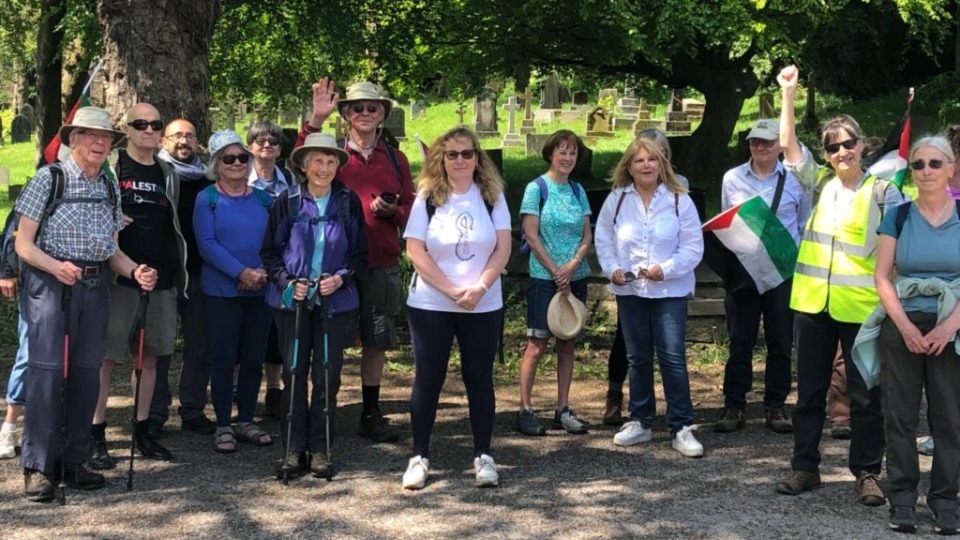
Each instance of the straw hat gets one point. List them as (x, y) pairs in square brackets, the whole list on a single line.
[(566, 316), (90, 118), (319, 141), (364, 91)]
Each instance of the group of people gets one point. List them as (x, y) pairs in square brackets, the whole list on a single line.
[(312, 256)]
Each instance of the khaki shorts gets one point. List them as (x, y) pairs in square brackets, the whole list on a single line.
[(379, 306), (161, 327)]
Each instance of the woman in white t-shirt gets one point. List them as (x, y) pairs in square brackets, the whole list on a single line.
[(458, 239)]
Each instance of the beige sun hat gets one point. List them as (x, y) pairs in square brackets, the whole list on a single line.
[(90, 118), (566, 316), (319, 141), (364, 91), (767, 129)]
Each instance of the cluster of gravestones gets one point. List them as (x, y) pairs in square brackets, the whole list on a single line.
[(22, 125)]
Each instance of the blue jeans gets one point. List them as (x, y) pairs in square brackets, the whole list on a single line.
[(657, 324), (16, 392)]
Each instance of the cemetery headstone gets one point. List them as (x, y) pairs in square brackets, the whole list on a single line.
[(571, 116), (550, 94), (485, 114), (526, 125), (534, 143), (641, 124), (676, 100), (512, 138), (418, 109), (630, 92), (599, 123), (4, 177), (766, 106), (580, 98), (609, 93), (461, 109), (396, 123), (20, 129), (564, 95), (694, 109), (28, 111)]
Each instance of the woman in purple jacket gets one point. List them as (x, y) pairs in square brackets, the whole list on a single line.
[(314, 247)]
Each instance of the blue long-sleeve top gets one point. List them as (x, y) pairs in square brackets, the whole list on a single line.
[(229, 238)]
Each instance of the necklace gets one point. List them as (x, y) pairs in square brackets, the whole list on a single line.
[(361, 146), (940, 215)]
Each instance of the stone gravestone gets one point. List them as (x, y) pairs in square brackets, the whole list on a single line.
[(511, 138), (27, 110), (396, 123), (599, 123), (485, 114), (20, 129), (535, 142), (564, 94), (580, 98), (629, 112), (418, 109), (609, 93), (550, 94), (527, 126), (630, 92), (582, 172), (766, 106), (694, 109), (676, 100), (461, 110)]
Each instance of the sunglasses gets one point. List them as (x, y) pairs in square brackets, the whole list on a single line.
[(452, 155), (264, 141), (230, 159), (849, 144), (920, 164), (372, 109), (141, 125), (762, 143)]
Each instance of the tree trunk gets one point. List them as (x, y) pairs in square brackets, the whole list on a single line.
[(158, 52), (49, 71)]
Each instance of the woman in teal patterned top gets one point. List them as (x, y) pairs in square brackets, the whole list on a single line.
[(556, 223)]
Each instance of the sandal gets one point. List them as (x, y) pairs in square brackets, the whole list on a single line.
[(253, 434), (224, 442)]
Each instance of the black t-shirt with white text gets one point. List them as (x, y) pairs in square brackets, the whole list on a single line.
[(149, 238)]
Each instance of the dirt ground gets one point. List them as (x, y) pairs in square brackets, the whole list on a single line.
[(558, 486)]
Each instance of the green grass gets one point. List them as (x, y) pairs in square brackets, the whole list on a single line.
[(20, 160)]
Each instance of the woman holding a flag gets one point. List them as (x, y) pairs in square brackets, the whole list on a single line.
[(833, 293)]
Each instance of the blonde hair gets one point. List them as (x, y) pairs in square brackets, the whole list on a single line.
[(621, 173), (433, 182)]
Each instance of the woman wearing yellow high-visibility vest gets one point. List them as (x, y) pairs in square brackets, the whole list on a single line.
[(832, 294)]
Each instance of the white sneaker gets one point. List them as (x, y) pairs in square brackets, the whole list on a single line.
[(486, 471), (685, 443), (417, 471), (632, 433), (9, 441)]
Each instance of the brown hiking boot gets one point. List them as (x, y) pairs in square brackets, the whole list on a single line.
[(796, 482), (730, 420), (613, 410), (868, 489), (778, 421)]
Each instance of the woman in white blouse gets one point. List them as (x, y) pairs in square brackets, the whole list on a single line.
[(648, 241)]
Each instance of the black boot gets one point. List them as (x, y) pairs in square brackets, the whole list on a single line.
[(37, 487), (79, 477), (100, 459), (148, 446)]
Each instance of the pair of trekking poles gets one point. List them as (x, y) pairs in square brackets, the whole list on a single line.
[(139, 331), (286, 470)]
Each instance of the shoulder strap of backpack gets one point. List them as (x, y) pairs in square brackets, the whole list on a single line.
[(431, 210), (395, 161), (293, 203), (576, 189), (212, 196), (903, 212), (676, 204), (58, 184), (880, 193), (619, 204), (264, 198), (542, 185), (781, 182)]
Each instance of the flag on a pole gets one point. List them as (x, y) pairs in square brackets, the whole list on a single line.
[(424, 149), (890, 162), (53, 147), (748, 246)]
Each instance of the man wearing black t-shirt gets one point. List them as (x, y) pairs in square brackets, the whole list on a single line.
[(149, 191)]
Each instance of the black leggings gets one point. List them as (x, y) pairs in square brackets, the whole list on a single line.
[(432, 334), (617, 362)]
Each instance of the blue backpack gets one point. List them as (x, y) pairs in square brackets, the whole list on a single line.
[(542, 184)]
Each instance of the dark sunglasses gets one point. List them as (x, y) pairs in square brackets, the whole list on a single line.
[(230, 159), (263, 141), (465, 154), (849, 144), (920, 164), (141, 125), (762, 143), (372, 109)]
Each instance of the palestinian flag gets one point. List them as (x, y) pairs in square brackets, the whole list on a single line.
[(890, 162), (747, 246), (53, 147)]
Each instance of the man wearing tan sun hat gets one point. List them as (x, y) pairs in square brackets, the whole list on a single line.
[(380, 175)]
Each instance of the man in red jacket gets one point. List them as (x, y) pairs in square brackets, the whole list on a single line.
[(380, 175)]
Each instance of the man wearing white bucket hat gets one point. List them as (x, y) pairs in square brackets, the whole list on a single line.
[(64, 267), (380, 175)]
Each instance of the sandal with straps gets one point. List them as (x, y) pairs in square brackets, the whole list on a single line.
[(225, 442), (253, 434)]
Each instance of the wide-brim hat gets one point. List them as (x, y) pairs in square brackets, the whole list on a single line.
[(324, 142), (90, 118), (364, 91), (222, 139), (566, 316)]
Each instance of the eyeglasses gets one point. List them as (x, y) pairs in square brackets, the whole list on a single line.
[(359, 108), (230, 159), (849, 144), (264, 141), (97, 135), (181, 136), (934, 164), (762, 143), (452, 155), (141, 124)]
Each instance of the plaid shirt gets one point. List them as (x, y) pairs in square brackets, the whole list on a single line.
[(81, 231)]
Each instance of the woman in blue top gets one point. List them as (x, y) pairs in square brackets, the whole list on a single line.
[(314, 248), (916, 348), (229, 220), (556, 223)]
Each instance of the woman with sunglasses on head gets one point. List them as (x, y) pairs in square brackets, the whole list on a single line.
[(229, 219), (458, 240), (649, 242), (833, 293), (917, 340)]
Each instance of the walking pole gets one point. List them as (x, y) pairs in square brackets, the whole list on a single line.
[(64, 380), (294, 359), (325, 315), (140, 328)]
